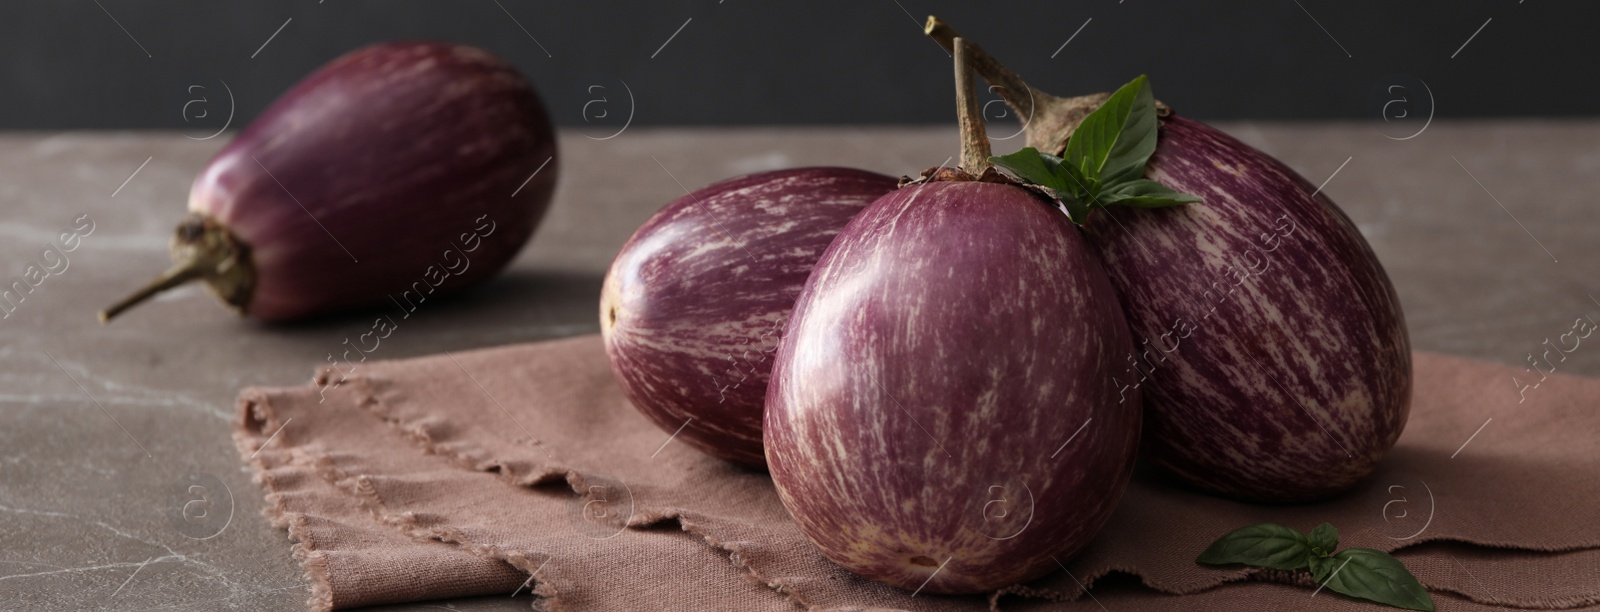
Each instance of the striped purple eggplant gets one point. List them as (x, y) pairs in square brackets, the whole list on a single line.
[(394, 172), (1273, 355), (941, 415), (693, 305)]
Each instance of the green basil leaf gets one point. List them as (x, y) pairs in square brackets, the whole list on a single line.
[(1264, 545), (1105, 158), (1034, 167), (1085, 188), (1322, 567), (1114, 141), (1373, 575), (1143, 193), (1076, 209), (1324, 540)]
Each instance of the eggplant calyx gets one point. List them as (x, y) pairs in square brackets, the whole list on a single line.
[(1047, 120), (202, 249), (948, 174)]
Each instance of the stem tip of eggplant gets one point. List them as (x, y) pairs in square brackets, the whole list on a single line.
[(202, 249)]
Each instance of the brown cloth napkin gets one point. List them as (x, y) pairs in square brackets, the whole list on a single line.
[(523, 468)]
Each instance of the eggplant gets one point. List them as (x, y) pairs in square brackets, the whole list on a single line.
[(1273, 352), (1272, 349), (397, 171), (694, 303), (941, 415)]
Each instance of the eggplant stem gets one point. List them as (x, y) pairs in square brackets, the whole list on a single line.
[(1047, 120), (974, 139), (202, 249), (173, 277), (1022, 98)]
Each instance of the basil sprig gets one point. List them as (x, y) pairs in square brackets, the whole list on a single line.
[(1105, 158), (1363, 573)]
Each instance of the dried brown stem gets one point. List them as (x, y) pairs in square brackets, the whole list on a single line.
[(1047, 120), (974, 139), (202, 249), (179, 274), (1017, 94)]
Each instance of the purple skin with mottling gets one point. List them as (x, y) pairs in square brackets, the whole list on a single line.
[(1272, 351), (695, 302), (941, 416), (371, 173)]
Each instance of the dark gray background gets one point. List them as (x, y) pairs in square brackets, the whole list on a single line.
[(69, 64)]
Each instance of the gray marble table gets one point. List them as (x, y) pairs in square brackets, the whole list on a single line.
[(1488, 230)]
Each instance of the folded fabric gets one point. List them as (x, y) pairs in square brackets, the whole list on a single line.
[(523, 468)]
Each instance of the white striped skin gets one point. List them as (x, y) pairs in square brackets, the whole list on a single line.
[(694, 303), (1295, 375), (954, 337)]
